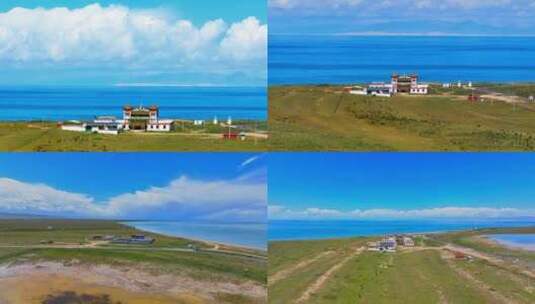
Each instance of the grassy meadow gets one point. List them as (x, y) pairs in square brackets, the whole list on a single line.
[(312, 118), (40, 137), (336, 271)]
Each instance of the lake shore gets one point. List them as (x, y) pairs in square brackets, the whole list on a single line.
[(501, 240), (212, 243)]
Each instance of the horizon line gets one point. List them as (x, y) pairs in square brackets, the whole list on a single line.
[(404, 34)]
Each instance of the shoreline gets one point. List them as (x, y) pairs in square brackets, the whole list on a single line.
[(200, 240), (431, 82), (402, 233), (507, 244)]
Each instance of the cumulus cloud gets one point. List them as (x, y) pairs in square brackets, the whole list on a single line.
[(282, 212), (183, 198), (245, 40), (451, 17), (117, 35)]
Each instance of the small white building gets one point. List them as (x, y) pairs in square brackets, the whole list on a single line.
[(419, 89), (161, 125), (198, 122), (408, 241), (215, 121), (387, 244), (380, 89), (136, 119), (357, 90)]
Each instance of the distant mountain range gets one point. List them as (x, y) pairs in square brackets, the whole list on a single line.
[(21, 216), (352, 25)]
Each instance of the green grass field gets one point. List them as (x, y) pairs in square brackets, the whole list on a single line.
[(311, 118), (427, 273), (42, 137), (28, 234)]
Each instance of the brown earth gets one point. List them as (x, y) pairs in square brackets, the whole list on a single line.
[(30, 283)]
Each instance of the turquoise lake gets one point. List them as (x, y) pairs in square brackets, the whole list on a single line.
[(251, 235), (524, 241)]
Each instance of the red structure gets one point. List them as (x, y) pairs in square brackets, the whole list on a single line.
[(472, 97), (230, 136)]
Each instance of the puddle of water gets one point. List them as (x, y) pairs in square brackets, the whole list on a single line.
[(522, 241), (56, 289)]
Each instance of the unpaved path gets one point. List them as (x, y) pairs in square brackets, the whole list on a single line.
[(318, 284), (504, 98), (288, 271), (490, 259), (480, 285), (135, 248)]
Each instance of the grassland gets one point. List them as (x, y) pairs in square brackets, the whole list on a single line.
[(40, 137), (311, 118), (342, 271), (70, 242)]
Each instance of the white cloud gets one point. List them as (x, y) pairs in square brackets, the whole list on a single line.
[(288, 4), (117, 35), (281, 212), (17, 196), (192, 198), (245, 40), (406, 4), (251, 160), (183, 198)]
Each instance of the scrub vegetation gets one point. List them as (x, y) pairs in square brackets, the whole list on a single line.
[(47, 136), (311, 118)]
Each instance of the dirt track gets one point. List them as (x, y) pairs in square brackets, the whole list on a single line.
[(318, 284), (286, 272)]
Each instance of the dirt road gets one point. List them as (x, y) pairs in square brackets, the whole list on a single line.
[(318, 284), (288, 271)]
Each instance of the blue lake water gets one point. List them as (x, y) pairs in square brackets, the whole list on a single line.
[(252, 235), (350, 59), (53, 103), (304, 230), (524, 241)]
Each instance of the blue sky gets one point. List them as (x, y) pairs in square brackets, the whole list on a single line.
[(132, 185), (460, 17), (103, 42), (195, 10), (384, 185)]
